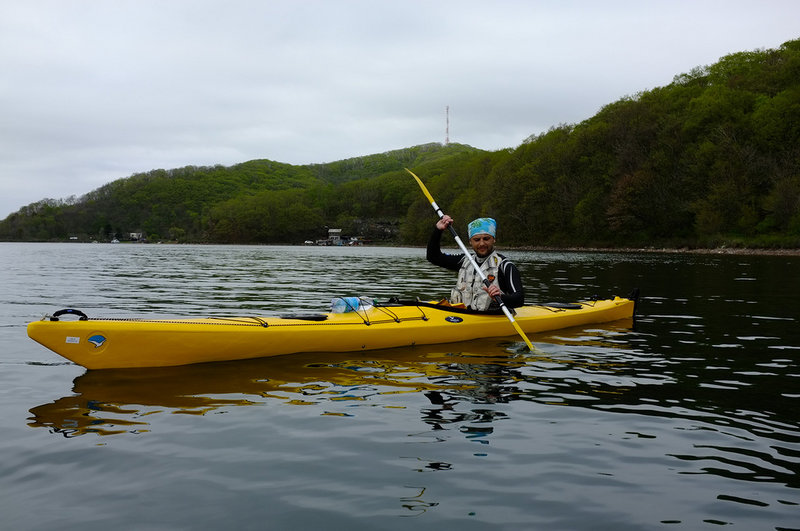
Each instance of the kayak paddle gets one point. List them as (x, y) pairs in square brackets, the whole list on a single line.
[(471, 260)]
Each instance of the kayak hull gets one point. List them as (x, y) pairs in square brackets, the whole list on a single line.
[(128, 343)]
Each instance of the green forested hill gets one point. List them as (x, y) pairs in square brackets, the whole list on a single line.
[(712, 158), (257, 201)]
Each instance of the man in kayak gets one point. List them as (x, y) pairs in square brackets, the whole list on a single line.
[(501, 272)]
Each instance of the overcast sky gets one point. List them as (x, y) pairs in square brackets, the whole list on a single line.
[(92, 91)]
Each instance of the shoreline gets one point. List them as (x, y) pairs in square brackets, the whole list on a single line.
[(666, 250), (742, 251)]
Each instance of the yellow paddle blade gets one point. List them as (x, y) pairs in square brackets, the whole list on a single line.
[(422, 186), (522, 334)]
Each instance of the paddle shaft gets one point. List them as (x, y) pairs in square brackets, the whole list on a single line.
[(472, 261)]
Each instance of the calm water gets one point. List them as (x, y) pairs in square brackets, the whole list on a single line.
[(689, 420)]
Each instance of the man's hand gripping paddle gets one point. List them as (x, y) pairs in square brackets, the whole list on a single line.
[(471, 260)]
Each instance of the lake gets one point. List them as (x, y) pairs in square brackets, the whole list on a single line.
[(687, 419)]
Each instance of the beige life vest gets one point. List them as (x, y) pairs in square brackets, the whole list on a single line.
[(469, 286)]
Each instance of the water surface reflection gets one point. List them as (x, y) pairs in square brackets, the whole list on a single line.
[(116, 402)]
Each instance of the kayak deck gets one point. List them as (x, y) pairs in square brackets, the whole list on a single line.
[(104, 343)]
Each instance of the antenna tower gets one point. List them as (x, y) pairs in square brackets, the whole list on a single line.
[(447, 125)]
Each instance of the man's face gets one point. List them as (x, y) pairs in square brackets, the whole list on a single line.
[(482, 244)]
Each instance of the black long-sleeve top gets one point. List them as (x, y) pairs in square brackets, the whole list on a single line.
[(508, 276)]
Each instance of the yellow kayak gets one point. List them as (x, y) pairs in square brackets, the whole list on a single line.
[(108, 343)]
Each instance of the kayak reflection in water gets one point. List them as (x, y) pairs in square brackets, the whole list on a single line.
[(499, 270)]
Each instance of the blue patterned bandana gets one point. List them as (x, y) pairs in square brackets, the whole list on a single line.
[(482, 226)]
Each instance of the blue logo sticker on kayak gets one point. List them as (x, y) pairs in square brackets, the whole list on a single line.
[(453, 319), (97, 341)]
